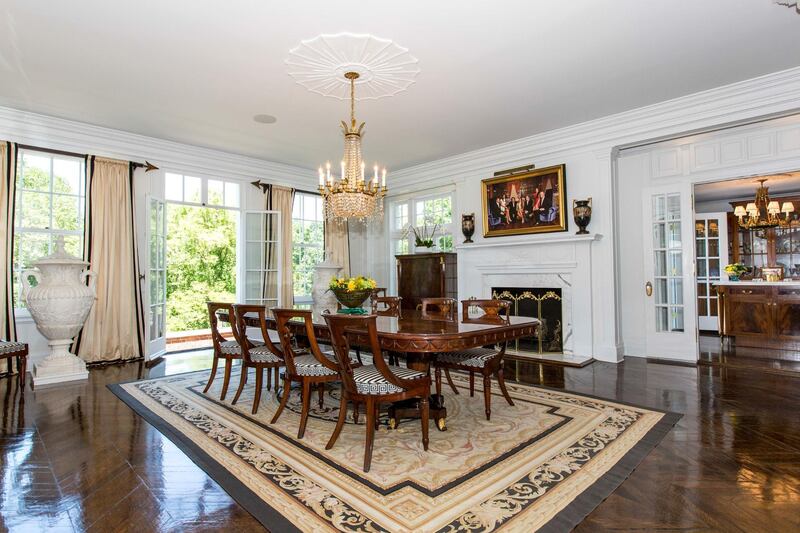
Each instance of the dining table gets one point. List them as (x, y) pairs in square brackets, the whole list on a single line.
[(421, 337)]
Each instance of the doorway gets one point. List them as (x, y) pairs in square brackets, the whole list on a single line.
[(201, 266)]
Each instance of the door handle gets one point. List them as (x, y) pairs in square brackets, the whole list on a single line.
[(648, 288)]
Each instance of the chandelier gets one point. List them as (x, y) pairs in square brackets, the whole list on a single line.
[(763, 212), (351, 195)]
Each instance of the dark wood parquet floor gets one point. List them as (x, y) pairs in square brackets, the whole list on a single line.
[(76, 458)]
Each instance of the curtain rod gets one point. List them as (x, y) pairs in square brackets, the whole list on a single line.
[(147, 165)]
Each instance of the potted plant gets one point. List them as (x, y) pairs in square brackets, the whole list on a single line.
[(423, 236), (734, 270), (351, 292)]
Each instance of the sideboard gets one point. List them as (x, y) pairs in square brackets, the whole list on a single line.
[(433, 275), (760, 314)]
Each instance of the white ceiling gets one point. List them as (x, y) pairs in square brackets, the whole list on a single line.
[(197, 71), (778, 184)]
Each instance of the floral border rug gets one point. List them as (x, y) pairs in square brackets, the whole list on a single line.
[(540, 465)]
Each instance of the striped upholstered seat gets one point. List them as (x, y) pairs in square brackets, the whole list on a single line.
[(474, 358), (307, 365), (262, 354), (369, 379), (12, 347), (233, 348)]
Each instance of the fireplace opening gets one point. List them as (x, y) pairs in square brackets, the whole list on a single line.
[(544, 304)]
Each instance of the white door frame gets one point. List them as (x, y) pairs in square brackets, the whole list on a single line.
[(671, 306), (709, 321)]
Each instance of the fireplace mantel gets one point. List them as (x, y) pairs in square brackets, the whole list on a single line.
[(557, 239)]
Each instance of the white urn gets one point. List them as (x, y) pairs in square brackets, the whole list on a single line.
[(59, 304), (322, 297)]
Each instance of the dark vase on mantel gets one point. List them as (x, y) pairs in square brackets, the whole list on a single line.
[(582, 211), (468, 227)]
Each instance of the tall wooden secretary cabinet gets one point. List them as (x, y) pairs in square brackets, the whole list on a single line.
[(433, 275)]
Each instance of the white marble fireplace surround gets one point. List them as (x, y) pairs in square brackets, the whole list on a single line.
[(562, 262)]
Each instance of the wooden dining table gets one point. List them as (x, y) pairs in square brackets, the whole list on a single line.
[(420, 337)]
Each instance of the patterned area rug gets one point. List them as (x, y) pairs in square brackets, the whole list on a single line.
[(543, 464)]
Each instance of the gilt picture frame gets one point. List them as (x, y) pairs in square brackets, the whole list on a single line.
[(530, 202)]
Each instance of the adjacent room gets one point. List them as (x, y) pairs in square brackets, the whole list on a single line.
[(430, 267)]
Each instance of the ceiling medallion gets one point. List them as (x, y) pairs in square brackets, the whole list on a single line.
[(763, 212), (351, 195), (320, 64), (789, 3)]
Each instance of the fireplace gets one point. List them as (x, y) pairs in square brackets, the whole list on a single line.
[(541, 303)]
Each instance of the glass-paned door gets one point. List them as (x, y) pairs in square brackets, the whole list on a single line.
[(157, 276), (711, 256), (669, 273), (262, 261)]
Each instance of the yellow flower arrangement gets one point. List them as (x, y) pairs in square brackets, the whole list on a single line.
[(357, 283)]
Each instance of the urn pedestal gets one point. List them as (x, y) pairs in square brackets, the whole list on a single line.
[(59, 304), (324, 300)]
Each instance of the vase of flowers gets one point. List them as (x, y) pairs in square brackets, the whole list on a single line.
[(351, 292), (734, 270), (424, 241)]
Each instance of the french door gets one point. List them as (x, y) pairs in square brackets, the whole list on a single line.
[(262, 258), (670, 307), (711, 253), (156, 295)]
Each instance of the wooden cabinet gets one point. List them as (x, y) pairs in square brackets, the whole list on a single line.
[(761, 316), (426, 276)]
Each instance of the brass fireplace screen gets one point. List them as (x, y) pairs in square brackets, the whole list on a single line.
[(544, 304)]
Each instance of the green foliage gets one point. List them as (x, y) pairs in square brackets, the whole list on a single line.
[(201, 263), (307, 251), (32, 212)]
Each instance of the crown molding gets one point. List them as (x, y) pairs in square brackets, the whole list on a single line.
[(61, 134), (768, 96)]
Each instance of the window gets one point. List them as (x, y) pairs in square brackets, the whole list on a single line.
[(50, 203), (201, 191), (308, 243), (421, 211)]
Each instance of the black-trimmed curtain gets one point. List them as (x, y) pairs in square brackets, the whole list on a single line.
[(8, 177), (280, 199), (114, 328)]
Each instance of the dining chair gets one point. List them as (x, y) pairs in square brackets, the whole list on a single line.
[(438, 308), (313, 369), (373, 384), (485, 361), (379, 291), (9, 349), (225, 349), (267, 356), (388, 306)]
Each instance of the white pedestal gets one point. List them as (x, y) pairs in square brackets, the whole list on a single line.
[(59, 366)]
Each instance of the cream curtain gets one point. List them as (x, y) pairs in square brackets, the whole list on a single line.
[(283, 201), (337, 244), (8, 166), (112, 329)]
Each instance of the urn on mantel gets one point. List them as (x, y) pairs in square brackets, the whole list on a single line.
[(59, 304)]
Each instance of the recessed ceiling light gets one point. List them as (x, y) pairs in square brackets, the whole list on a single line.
[(265, 119)]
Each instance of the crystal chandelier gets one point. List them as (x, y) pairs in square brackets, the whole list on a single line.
[(352, 195), (763, 212)]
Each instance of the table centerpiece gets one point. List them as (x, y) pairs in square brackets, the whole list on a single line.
[(351, 293)]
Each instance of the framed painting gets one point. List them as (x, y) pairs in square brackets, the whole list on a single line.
[(532, 202)]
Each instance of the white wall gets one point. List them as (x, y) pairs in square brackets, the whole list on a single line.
[(59, 134), (589, 151), (766, 147)]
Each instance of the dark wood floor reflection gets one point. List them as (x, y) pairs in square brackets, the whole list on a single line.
[(76, 458)]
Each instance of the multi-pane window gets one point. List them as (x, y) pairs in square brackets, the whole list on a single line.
[(50, 203), (201, 191), (421, 211), (308, 243)]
